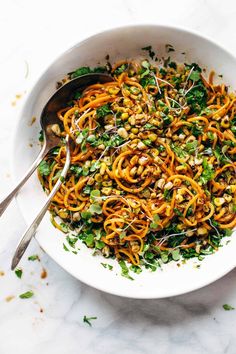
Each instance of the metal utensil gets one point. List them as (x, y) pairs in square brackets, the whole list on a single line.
[(49, 117), (30, 232)]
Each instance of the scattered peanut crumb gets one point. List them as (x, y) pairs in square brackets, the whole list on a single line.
[(30, 145), (41, 310), (9, 298), (44, 274), (1, 273), (33, 120), (17, 97)]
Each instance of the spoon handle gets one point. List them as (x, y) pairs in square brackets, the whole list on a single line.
[(6, 201), (30, 232)]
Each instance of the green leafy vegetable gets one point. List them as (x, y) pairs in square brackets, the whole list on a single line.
[(175, 254), (194, 76), (88, 320), (18, 273), (26, 295), (95, 209), (65, 248), (124, 270), (151, 53), (178, 150), (103, 111), (44, 168), (87, 70), (108, 266), (227, 307), (34, 257), (197, 98), (169, 48), (191, 146), (208, 172)]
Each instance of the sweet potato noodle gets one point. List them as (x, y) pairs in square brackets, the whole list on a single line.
[(153, 166)]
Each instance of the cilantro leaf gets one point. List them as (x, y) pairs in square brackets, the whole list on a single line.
[(18, 273), (124, 270), (120, 69), (34, 257), (95, 209), (197, 98), (227, 307), (88, 320), (26, 295), (87, 70), (44, 168), (191, 146), (194, 76), (208, 172), (103, 111)]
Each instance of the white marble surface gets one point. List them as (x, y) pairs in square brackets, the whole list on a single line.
[(35, 32)]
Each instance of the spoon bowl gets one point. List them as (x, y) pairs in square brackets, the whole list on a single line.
[(49, 122)]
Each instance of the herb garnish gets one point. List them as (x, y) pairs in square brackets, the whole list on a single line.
[(88, 320)]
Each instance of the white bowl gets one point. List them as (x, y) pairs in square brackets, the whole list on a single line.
[(119, 43)]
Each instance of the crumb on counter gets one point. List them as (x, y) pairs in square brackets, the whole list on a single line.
[(44, 274), (9, 298)]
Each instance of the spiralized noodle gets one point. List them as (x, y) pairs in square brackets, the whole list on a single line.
[(153, 163)]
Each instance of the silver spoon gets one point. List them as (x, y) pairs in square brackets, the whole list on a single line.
[(49, 118), (30, 232)]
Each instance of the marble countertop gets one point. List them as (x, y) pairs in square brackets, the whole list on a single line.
[(32, 34)]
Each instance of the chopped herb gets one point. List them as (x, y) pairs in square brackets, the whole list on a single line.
[(41, 136), (175, 254), (227, 307), (108, 266), (64, 227), (178, 212), (148, 81), (173, 65), (34, 257), (124, 270), (151, 53), (228, 232), (169, 48), (95, 209), (194, 76), (120, 69), (87, 70), (197, 98), (103, 111), (178, 150), (164, 257), (86, 215), (196, 130), (89, 240), (18, 273), (44, 168), (77, 170), (95, 166), (167, 193), (149, 126), (191, 146), (26, 295), (65, 248), (88, 320), (208, 172), (99, 244), (210, 135), (135, 269)]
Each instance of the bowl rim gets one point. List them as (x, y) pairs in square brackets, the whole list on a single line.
[(31, 87)]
